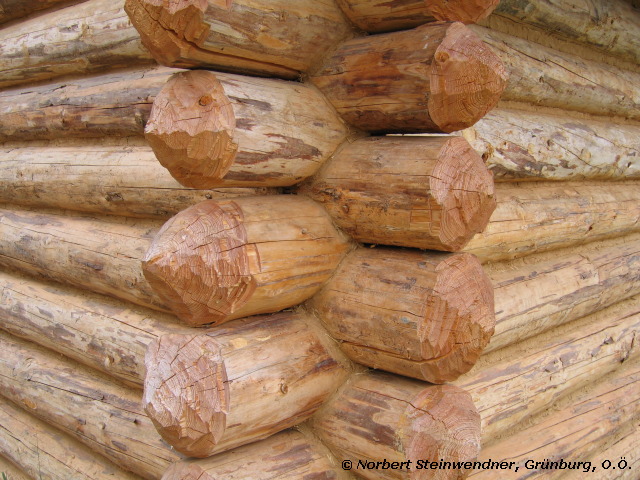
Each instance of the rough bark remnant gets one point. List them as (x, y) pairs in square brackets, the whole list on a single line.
[(279, 38), (383, 416), (426, 316), (435, 78), (221, 260), (423, 192), (238, 384)]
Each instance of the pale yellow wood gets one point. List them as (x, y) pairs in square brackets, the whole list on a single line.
[(542, 291), (92, 36), (46, 453), (265, 37), (546, 77), (207, 393), (289, 455), (94, 409), (627, 448), (511, 386), (12, 471), (522, 145), (102, 176), (546, 216)]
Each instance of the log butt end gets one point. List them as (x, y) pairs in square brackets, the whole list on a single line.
[(191, 129), (466, 80), (464, 11), (199, 263), (442, 423), (186, 392), (462, 187), (459, 320)]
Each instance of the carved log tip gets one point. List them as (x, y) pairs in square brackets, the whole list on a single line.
[(186, 392), (459, 320), (191, 129), (198, 263), (466, 80), (464, 11), (463, 186), (443, 423)]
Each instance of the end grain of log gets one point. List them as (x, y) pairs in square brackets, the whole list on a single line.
[(222, 260), (424, 192), (207, 393), (422, 315), (383, 416), (435, 78), (376, 16)]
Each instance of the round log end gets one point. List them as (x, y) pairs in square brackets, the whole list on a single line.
[(465, 11), (466, 80), (199, 263), (459, 320), (169, 29), (191, 128), (443, 423), (462, 186), (186, 393)]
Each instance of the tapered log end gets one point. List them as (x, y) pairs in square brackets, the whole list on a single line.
[(442, 423), (466, 80), (186, 392), (459, 320), (465, 11), (191, 129), (462, 187), (169, 29), (199, 263)]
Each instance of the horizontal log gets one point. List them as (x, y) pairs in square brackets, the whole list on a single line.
[(542, 291), (608, 27), (546, 216), (211, 129), (380, 416), (423, 192), (423, 315), (573, 433), (290, 455), (92, 36), (288, 39), (108, 104), (209, 393), (85, 404), (44, 452), (384, 16), (115, 177), (543, 76), (435, 78), (229, 259), (12, 471), (98, 254), (102, 333), (513, 385), (627, 448), (520, 145), (12, 9)]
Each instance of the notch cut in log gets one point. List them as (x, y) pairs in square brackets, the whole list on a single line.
[(266, 131), (222, 260), (264, 37), (520, 145), (238, 384), (100, 176), (376, 16), (435, 78), (91, 407), (423, 315), (379, 416), (290, 455), (43, 451), (424, 192), (93, 36)]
